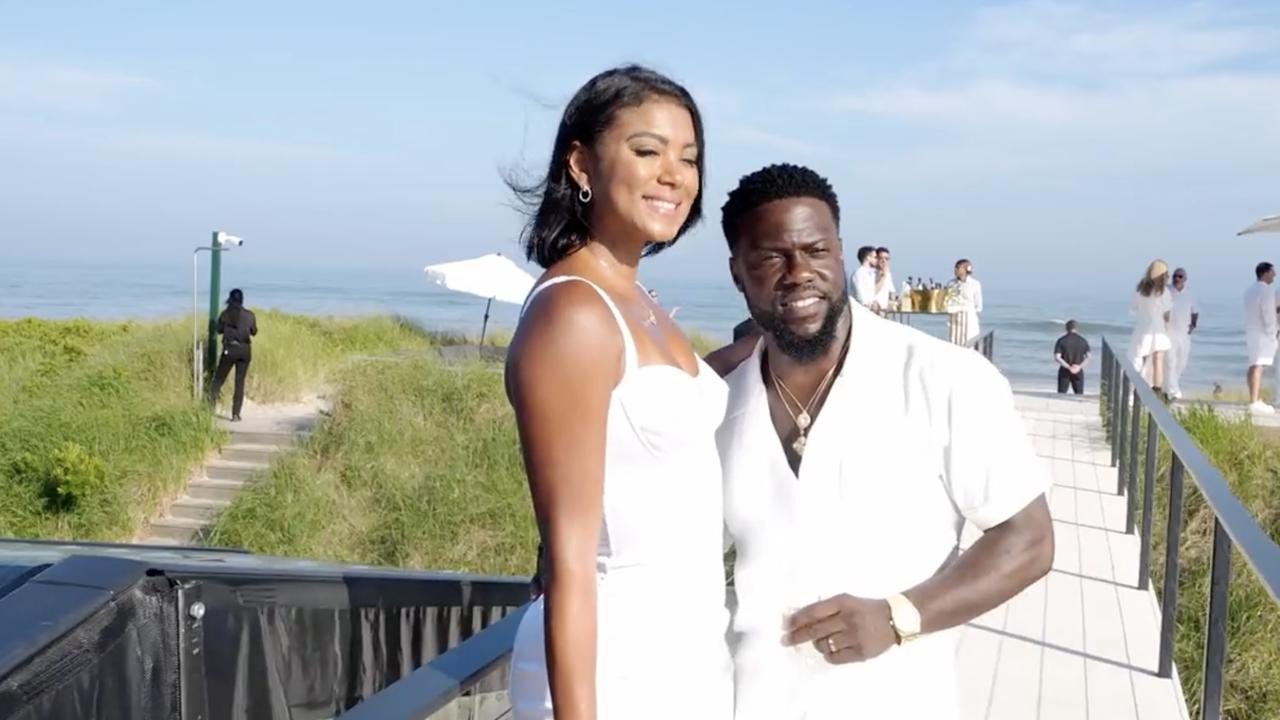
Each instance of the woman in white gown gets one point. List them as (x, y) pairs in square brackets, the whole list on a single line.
[(1151, 305), (617, 421)]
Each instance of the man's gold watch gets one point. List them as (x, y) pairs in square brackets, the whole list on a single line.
[(904, 618)]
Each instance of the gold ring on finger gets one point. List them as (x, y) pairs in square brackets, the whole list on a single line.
[(831, 644)]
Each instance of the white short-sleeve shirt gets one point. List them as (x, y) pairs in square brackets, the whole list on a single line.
[(1183, 307), (916, 437), (864, 284)]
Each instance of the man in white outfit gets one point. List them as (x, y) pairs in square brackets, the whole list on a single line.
[(846, 521), (1182, 322), (970, 301), (1260, 333), (884, 279), (866, 279)]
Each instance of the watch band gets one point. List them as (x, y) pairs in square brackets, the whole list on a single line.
[(904, 618)]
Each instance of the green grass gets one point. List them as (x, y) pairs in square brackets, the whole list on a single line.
[(1250, 462), (97, 420), (418, 466)]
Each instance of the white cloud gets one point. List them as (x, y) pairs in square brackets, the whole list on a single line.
[(1054, 88), (65, 87), (1078, 40)]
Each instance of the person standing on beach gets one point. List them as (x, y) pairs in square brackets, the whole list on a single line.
[(865, 278), (1071, 352), (1150, 339), (1182, 322), (970, 303), (884, 279), (617, 419), (1260, 333), (237, 326)]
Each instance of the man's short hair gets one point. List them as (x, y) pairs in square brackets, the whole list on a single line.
[(1071, 326), (775, 182), (962, 261), (864, 251), (882, 250), (1263, 268)]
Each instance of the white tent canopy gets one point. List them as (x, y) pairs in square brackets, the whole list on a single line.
[(493, 277), (1266, 224)]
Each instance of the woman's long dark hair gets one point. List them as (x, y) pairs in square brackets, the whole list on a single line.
[(557, 223), (235, 303)]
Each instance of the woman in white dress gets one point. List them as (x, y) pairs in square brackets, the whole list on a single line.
[(617, 420), (1151, 304)]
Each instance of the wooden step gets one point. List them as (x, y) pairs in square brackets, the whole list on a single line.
[(280, 440), (189, 508), (229, 470), (209, 489), (249, 452), (180, 531)]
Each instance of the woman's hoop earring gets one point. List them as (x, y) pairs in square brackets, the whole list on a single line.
[(584, 195)]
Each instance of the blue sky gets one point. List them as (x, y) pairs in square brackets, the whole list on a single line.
[(1063, 144)]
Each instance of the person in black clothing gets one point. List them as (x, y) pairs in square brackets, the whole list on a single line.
[(237, 326), (1071, 353)]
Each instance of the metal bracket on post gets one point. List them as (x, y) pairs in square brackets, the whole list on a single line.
[(193, 690)]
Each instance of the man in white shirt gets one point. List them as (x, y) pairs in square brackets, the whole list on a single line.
[(970, 302), (846, 522), (884, 279), (1182, 322), (866, 278), (1260, 333)]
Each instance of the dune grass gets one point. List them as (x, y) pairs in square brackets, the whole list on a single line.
[(97, 419), (1250, 462), (418, 466)]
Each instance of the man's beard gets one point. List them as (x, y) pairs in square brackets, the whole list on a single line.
[(798, 348)]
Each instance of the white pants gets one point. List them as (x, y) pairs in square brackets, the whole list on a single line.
[(1176, 361)]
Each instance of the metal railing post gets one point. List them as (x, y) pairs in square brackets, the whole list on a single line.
[(1148, 504), (1122, 433), (1215, 632), (1172, 539), (1131, 473)]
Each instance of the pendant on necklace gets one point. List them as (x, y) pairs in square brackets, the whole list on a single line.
[(803, 421), (799, 445)]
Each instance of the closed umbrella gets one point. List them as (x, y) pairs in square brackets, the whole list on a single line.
[(493, 277), (1266, 224)]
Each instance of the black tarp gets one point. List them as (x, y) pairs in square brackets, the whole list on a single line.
[(308, 651), (120, 662), (100, 638)]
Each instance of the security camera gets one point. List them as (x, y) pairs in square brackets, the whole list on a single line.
[(226, 240)]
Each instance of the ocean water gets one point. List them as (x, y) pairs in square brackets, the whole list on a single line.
[(1026, 324)]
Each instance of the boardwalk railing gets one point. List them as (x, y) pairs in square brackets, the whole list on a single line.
[(1126, 398)]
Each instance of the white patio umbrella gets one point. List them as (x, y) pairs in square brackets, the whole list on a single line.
[(1266, 224), (493, 277)]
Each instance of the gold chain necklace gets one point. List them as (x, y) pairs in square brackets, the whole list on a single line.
[(803, 419)]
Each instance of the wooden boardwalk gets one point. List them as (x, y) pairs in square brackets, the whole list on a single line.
[(1082, 642)]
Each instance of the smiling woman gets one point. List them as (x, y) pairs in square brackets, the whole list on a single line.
[(617, 421)]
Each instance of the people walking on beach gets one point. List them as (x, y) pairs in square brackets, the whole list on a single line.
[(844, 498), (617, 418), (866, 279), (1071, 352), (1260, 333), (237, 326), (1151, 307), (1183, 318), (970, 304)]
